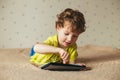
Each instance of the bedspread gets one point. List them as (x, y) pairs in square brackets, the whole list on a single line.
[(104, 64)]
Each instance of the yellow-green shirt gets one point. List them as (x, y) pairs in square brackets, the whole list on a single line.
[(40, 59)]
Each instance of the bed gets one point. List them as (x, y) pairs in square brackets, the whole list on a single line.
[(103, 63)]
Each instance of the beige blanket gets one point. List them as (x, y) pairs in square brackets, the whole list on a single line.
[(103, 61)]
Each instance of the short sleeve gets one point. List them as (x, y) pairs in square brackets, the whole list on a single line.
[(52, 41), (48, 41)]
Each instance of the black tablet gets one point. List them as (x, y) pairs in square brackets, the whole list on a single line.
[(62, 67)]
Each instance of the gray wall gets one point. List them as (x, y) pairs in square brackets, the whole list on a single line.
[(25, 22)]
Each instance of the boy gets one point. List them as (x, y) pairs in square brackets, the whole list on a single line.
[(61, 47)]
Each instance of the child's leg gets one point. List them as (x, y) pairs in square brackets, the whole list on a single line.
[(32, 51)]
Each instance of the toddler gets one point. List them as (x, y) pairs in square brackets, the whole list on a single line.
[(61, 47)]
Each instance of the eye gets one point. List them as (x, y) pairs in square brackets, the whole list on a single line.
[(66, 33), (75, 36)]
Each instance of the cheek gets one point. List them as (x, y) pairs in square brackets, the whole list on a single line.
[(74, 39), (61, 36)]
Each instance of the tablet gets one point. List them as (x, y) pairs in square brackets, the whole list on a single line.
[(62, 67)]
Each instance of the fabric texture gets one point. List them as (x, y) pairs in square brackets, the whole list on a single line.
[(103, 61)]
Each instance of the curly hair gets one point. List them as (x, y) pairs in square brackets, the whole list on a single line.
[(75, 17)]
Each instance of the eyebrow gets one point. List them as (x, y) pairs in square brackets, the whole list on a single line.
[(74, 33)]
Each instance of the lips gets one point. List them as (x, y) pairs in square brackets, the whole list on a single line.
[(67, 43)]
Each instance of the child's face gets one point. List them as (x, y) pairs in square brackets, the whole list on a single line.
[(66, 36)]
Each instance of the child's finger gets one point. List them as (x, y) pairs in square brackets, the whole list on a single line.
[(65, 61), (83, 64), (65, 56)]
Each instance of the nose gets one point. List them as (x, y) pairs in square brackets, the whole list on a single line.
[(69, 39)]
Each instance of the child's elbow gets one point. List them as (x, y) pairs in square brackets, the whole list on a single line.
[(36, 47)]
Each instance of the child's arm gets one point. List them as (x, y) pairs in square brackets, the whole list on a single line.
[(43, 48)]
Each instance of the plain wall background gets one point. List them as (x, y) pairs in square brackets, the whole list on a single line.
[(25, 22)]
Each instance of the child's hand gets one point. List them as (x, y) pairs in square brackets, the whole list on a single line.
[(64, 55), (82, 64)]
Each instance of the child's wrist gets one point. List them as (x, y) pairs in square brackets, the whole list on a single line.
[(58, 50)]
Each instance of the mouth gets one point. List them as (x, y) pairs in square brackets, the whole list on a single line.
[(67, 43)]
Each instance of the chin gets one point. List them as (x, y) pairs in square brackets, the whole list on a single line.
[(66, 45)]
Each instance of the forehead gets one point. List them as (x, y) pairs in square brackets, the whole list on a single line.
[(68, 26)]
